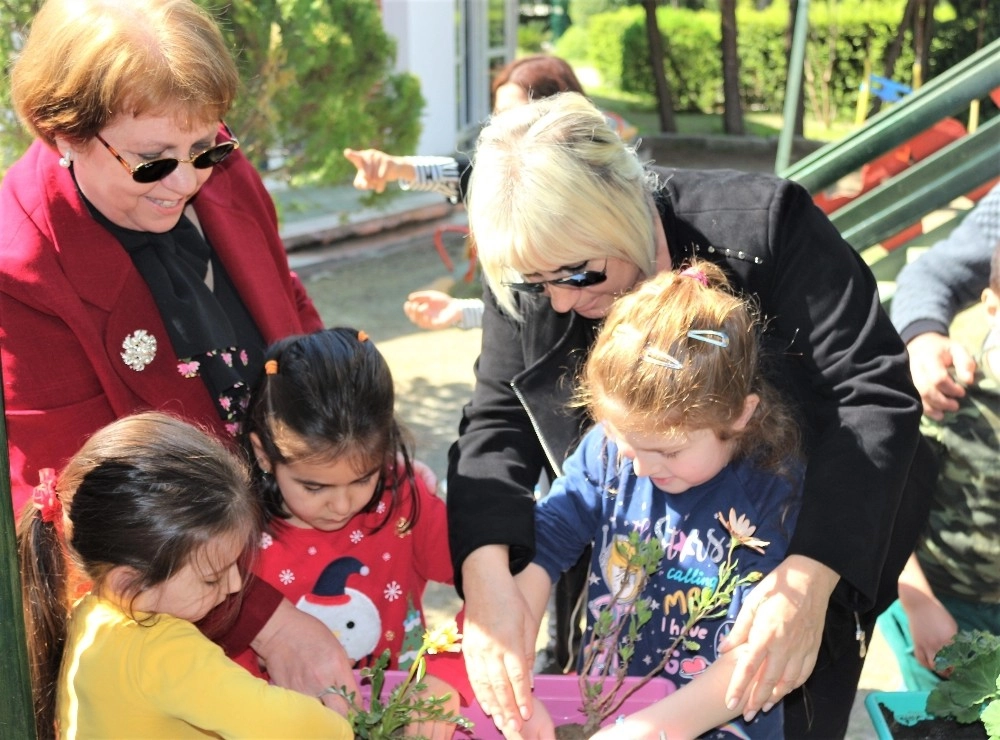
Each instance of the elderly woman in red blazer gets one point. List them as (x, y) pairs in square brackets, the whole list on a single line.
[(140, 260)]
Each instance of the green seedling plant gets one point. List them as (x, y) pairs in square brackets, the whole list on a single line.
[(971, 661), (619, 625), (407, 703)]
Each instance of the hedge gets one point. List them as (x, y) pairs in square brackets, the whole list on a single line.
[(842, 37)]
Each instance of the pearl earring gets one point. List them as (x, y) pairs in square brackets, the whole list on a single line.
[(65, 161)]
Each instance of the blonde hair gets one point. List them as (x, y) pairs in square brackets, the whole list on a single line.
[(553, 185), (648, 373), (86, 62)]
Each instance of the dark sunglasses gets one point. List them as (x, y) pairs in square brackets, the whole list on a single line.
[(149, 172), (582, 279)]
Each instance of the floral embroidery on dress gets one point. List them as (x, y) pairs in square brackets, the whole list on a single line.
[(386, 556), (266, 541), (393, 591), (234, 400), (357, 535), (287, 577)]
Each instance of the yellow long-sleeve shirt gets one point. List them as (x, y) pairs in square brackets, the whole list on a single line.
[(164, 679)]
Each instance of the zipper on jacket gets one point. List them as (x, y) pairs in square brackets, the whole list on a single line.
[(859, 635), (538, 432)]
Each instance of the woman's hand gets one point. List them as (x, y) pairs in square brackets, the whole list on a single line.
[(302, 654), (781, 624), (932, 358), (432, 309), (498, 638)]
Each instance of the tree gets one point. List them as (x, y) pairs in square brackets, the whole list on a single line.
[(317, 76), (664, 98), (732, 116), (15, 15)]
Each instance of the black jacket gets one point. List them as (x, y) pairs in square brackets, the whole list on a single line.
[(831, 349)]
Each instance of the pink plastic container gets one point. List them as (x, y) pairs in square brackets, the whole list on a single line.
[(560, 694)]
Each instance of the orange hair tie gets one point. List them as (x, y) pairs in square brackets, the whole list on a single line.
[(271, 367), (362, 336)]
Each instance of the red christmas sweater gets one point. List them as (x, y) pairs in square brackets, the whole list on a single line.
[(367, 586)]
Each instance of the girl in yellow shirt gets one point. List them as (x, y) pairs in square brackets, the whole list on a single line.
[(158, 516)]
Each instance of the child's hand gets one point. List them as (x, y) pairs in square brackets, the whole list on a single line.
[(436, 730), (375, 168), (630, 729), (933, 357), (432, 309), (539, 727)]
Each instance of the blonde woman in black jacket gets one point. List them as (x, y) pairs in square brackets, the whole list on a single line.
[(566, 218)]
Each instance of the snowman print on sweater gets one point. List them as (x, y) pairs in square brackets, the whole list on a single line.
[(348, 613)]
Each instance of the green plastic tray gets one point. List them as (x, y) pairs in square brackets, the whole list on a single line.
[(909, 707)]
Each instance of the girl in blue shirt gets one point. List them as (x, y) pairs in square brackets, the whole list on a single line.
[(692, 448)]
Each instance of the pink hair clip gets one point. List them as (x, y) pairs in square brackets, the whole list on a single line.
[(698, 275), (44, 497)]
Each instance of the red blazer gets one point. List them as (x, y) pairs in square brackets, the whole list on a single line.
[(69, 297)]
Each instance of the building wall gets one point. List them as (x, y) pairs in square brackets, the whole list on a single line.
[(446, 44), (425, 36)]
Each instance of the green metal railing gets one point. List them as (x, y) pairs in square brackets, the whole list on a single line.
[(928, 185), (971, 79)]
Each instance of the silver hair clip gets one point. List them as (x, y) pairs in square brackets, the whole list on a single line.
[(625, 331), (657, 357), (710, 336)]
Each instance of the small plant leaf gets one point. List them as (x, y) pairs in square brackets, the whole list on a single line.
[(991, 718), (973, 659)]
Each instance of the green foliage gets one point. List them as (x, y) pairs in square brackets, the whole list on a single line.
[(581, 11), (605, 43), (972, 663), (13, 21), (531, 37), (318, 77), (574, 43), (408, 702)]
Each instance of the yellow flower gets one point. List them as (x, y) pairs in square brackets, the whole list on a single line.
[(444, 639), (742, 530)]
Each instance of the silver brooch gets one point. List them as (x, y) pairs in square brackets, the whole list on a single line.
[(140, 349)]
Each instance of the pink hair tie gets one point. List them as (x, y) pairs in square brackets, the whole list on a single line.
[(698, 275), (44, 496)]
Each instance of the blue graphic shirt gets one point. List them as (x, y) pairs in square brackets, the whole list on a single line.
[(601, 500)]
